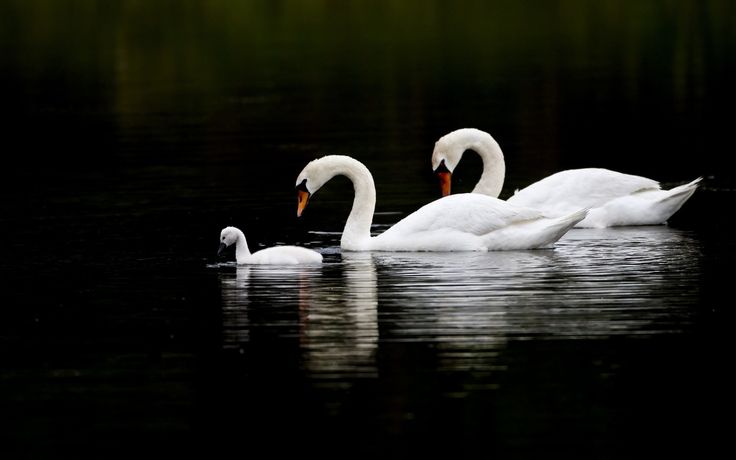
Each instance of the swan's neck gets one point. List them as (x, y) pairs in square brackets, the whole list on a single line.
[(357, 233), (494, 166), (242, 253)]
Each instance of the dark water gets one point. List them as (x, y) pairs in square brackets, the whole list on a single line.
[(132, 132)]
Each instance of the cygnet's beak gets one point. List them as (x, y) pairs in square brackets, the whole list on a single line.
[(222, 248), (302, 197), (445, 177)]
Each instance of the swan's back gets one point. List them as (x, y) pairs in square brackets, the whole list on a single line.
[(470, 213), (286, 255), (474, 222), (566, 191)]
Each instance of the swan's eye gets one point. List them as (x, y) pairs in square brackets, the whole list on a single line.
[(303, 186), (442, 168)]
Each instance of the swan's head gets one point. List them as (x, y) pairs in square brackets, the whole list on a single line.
[(228, 236), (446, 155), (312, 178), (448, 151), (302, 196)]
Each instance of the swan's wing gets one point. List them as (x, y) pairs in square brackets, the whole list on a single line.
[(573, 189), (471, 213)]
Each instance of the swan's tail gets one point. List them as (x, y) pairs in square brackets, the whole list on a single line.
[(575, 217), (682, 192), (537, 233), (563, 224), (558, 226), (673, 199), (676, 197)]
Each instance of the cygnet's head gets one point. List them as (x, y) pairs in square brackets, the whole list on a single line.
[(228, 236)]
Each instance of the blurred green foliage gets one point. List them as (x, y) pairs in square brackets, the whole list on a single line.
[(394, 67), (210, 47)]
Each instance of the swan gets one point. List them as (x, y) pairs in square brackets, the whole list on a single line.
[(613, 198), (281, 255), (463, 222)]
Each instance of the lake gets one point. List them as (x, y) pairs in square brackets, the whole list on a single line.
[(133, 132)]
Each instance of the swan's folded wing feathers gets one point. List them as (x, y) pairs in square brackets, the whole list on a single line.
[(572, 189), (468, 212)]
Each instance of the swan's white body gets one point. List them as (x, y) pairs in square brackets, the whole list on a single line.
[(464, 222), (613, 198), (278, 255)]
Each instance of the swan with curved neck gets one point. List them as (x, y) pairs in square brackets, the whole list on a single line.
[(613, 198), (278, 255), (464, 222)]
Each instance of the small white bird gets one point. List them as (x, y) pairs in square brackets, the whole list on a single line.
[(613, 198), (278, 255)]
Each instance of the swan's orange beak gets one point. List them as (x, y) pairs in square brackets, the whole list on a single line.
[(445, 182), (302, 197)]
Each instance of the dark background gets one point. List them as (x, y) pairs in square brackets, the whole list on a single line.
[(156, 108), (133, 131)]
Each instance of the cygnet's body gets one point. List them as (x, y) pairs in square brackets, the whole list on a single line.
[(278, 255)]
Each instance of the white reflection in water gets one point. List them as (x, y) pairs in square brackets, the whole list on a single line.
[(594, 284), (234, 287), (339, 327), (336, 320)]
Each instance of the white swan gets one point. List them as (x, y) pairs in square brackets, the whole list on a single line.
[(614, 198), (464, 222), (281, 255)]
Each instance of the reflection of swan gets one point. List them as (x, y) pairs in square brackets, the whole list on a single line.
[(280, 255), (596, 284), (614, 198), (335, 306), (466, 222), (234, 291), (361, 314), (256, 294), (627, 281), (339, 332), (459, 303)]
